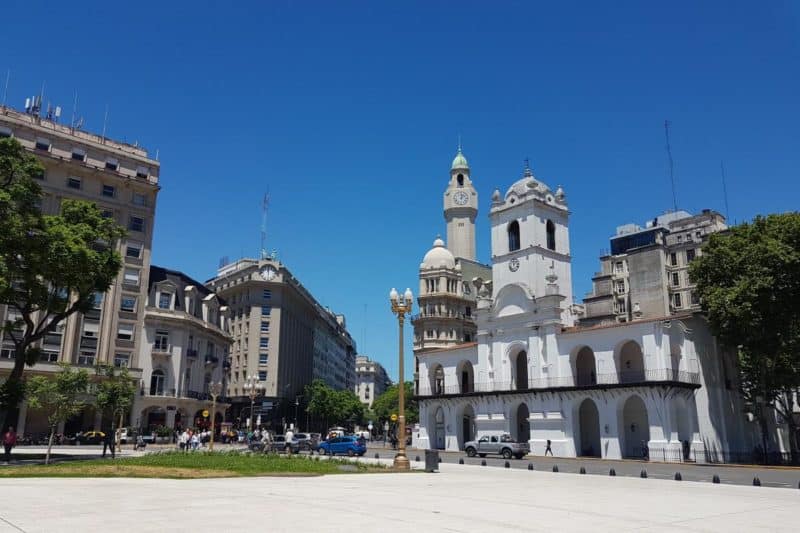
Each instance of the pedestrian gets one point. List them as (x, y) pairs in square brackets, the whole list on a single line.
[(9, 441), (548, 449), (140, 443), (108, 443), (195, 440)]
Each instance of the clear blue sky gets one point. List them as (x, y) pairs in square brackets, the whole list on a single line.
[(349, 114)]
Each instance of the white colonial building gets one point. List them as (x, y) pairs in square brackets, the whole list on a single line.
[(534, 372)]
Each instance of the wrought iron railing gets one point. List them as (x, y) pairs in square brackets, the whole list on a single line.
[(620, 378)]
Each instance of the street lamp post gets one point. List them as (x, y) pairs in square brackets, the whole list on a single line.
[(214, 389), (252, 386), (401, 306)]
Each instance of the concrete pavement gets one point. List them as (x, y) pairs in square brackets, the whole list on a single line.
[(460, 498)]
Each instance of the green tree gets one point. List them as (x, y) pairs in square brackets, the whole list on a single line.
[(51, 266), (347, 408), (115, 393), (748, 280), (60, 396), (320, 401), (388, 403)]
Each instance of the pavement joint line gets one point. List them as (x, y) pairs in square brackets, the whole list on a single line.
[(12, 525)]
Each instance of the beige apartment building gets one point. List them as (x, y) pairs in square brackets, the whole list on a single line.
[(123, 181), (646, 273), (283, 337), (371, 380)]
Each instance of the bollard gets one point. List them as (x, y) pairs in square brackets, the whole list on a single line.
[(756, 482), (583, 470), (461, 461), (678, 476), (530, 467), (555, 468), (715, 479), (643, 474), (417, 459), (483, 462), (612, 472), (507, 465)]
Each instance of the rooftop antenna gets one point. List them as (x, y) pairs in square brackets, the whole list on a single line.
[(527, 171), (264, 207), (5, 90), (105, 122), (74, 110), (671, 166), (724, 188)]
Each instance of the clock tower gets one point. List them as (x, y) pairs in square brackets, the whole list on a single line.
[(460, 209)]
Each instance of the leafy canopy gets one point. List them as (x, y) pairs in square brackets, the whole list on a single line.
[(339, 406), (115, 393), (388, 403), (61, 395), (748, 280)]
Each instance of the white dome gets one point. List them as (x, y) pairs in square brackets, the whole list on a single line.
[(438, 256)]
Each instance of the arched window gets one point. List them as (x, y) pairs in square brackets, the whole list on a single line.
[(513, 236), (551, 235), (460, 179), (157, 383)]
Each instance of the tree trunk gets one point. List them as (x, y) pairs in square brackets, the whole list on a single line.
[(13, 382), (50, 444)]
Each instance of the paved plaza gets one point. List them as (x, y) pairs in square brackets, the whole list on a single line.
[(458, 498)]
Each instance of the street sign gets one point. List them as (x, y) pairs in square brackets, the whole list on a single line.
[(394, 417), (369, 426), (205, 413)]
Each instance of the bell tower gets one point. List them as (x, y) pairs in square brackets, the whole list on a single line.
[(460, 209)]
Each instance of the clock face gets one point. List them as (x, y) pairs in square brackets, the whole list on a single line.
[(513, 265), (460, 198), (269, 273)]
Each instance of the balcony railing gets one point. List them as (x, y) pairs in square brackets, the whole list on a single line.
[(461, 316), (628, 377)]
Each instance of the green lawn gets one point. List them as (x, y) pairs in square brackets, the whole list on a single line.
[(179, 465)]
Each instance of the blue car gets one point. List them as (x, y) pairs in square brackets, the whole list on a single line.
[(343, 445)]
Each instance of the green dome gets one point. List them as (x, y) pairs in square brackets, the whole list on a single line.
[(459, 161)]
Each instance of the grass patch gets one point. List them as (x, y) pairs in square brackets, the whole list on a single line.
[(179, 465)]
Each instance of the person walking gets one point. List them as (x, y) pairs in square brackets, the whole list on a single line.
[(108, 443), (548, 449), (9, 441)]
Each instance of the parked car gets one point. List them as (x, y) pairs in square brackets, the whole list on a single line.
[(280, 444), (307, 441), (497, 444), (90, 437), (349, 445)]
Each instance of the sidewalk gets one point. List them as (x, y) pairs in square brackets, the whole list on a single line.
[(460, 498)]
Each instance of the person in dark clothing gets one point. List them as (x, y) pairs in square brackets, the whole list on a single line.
[(9, 441), (548, 449), (108, 443)]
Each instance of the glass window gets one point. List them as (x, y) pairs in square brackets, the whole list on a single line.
[(157, 380), (125, 332), (128, 303), (122, 360), (161, 341), (133, 249), (42, 144), (262, 359), (4, 132), (86, 358), (689, 255), (8, 353), (74, 183), (262, 375), (265, 309), (139, 199), (136, 224), (78, 154), (164, 300), (107, 213), (675, 279), (142, 172), (109, 191), (695, 298), (673, 259), (131, 276), (48, 356), (267, 294), (264, 342), (676, 300), (265, 326), (112, 164)]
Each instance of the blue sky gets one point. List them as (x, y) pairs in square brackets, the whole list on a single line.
[(349, 114)]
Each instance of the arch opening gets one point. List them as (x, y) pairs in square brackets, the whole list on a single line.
[(513, 236), (438, 429), (636, 427), (437, 380), (521, 371), (551, 235), (588, 441), (585, 368), (467, 426), (466, 377), (631, 363), (522, 428)]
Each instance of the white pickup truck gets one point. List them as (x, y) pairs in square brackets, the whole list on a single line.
[(497, 444)]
